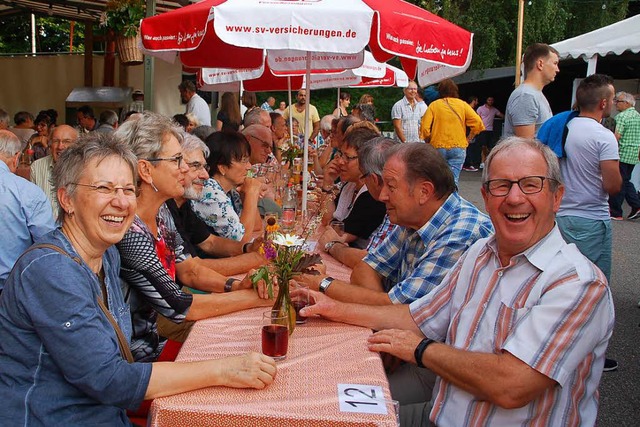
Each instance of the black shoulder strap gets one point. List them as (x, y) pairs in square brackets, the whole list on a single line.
[(122, 341)]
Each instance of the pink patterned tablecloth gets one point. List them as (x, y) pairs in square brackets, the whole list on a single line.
[(321, 355)]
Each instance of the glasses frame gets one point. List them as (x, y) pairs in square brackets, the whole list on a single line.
[(177, 159), (263, 142), (113, 190), (487, 184), (346, 158), (196, 166)]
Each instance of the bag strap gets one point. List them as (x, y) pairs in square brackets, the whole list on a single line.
[(122, 341), (454, 111)]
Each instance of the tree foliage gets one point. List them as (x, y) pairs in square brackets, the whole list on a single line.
[(494, 23), (52, 34)]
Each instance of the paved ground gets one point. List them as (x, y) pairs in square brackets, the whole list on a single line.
[(619, 390)]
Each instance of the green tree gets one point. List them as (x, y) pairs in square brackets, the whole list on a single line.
[(52, 34)]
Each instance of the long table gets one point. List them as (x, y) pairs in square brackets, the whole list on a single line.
[(321, 356)]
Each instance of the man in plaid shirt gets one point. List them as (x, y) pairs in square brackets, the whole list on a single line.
[(436, 226), (628, 136)]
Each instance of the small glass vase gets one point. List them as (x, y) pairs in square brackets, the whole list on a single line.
[(283, 304)]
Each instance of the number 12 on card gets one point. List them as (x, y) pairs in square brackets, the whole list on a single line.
[(362, 398)]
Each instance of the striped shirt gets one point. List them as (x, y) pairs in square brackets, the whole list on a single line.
[(554, 312), (414, 262)]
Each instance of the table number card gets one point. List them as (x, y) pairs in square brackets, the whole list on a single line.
[(362, 398)]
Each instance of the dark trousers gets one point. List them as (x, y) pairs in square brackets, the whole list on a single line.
[(628, 192), (474, 150)]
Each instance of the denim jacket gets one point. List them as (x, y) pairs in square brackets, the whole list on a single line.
[(59, 358)]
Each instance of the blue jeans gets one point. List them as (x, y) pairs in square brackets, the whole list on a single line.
[(455, 160), (592, 237), (628, 192)]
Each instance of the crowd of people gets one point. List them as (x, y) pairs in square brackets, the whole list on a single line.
[(134, 226)]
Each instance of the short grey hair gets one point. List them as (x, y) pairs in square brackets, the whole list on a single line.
[(373, 154), (92, 146), (109, 117), (192, 143), (4, 117), (146, 135), (203, 131), (516, 143), (325, 122), (627, 97), (253, 117), (10, 145)]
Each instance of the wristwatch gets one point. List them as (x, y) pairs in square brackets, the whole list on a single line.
[(329, 245), (325, 283), (419, 351)]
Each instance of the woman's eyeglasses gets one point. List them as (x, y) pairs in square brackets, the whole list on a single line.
[(177, 159)]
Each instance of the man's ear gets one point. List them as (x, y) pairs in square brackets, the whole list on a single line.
[(426, 191)]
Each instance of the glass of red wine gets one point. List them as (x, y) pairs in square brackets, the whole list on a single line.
[(300, 299), (275, 334)]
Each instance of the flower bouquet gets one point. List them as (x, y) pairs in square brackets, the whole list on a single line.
[(287, 258), (290, 152)]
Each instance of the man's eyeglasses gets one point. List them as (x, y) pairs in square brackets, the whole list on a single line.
[(340, 154), (265, 144), (528, 185), (196, 166), (619, 100), (110, 190), (177, 159)]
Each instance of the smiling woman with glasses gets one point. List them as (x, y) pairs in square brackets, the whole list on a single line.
[(228, 213), (152, 251)]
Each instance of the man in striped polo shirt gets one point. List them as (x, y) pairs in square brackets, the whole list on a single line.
[(518, 329)]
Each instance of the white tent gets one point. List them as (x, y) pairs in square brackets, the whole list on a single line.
[(612, 39)]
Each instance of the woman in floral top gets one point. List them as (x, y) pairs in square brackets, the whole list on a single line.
[(223, 209)]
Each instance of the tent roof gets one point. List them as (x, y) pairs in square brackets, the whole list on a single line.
[(75, 10), (615, 38)]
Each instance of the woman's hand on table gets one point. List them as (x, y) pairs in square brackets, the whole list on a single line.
[(396, 342), (250, 370), (261, 287)]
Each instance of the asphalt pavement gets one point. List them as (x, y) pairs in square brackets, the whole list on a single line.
[(619, 390)]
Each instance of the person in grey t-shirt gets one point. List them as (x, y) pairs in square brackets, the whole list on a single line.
[(527, 108)]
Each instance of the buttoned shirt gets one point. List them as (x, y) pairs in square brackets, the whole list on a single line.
[(380, 234), (410, 117), (61, 363), (41, 171), (550, 307), (414, 262), (628, 126), (25, 215), (199, 108)]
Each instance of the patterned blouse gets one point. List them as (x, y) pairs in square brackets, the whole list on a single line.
[(221, 211), (148, 273)]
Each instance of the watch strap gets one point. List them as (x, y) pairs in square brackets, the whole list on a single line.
[(420, 349), (325, 283)]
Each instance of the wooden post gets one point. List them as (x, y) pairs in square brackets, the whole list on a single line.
[(88, 54), (519, 42), (108, 77)]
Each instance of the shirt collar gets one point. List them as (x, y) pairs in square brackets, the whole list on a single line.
[(542, 253), (4, 167), (428, 231)]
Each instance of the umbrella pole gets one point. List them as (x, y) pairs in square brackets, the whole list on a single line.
[(290, 107), (338, 100), (307, 134)]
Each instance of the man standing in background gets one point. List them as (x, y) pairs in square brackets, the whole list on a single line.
[(527, 108)]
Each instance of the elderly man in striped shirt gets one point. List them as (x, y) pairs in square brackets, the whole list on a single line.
[(518, 329)]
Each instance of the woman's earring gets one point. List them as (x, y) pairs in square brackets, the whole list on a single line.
[(154, 187)]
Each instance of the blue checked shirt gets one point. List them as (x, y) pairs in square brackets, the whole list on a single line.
[(384, 229), (414, 262)]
